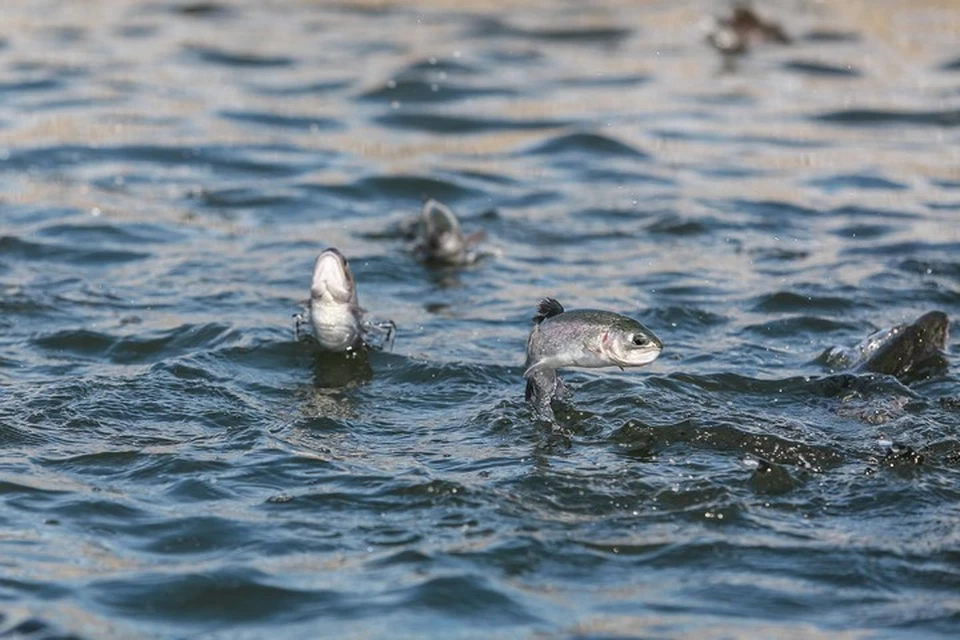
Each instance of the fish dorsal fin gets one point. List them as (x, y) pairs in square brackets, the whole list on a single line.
[(547, 308)]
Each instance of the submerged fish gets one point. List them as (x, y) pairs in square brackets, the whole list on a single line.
[(441, 240), (906, 351), (333, 312), (580, 338)]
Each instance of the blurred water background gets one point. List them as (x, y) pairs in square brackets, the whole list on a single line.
[(173, 464)]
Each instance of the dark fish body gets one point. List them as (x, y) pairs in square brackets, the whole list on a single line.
[(911, 347), (440, 238), (586, 338), (733, 35), (904, 351)]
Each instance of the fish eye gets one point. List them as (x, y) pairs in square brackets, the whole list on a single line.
[(640, 340)]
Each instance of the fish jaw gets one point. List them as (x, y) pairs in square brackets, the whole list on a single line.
[(637, 356), (332, 279), (438, 218), (442, 239)]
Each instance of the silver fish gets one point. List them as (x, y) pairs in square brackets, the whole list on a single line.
[(333, 312), (580, 338), (441, 240)]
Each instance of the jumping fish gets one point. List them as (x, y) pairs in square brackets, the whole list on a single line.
[(441, 240), (580, 338), (906, 351), (734, 34), (333, 312)]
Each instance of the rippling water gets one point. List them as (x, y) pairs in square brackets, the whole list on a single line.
[(174, 464)]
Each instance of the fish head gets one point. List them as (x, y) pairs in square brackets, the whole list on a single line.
[(332, 280), (630, 344), (442, 237), (932, 330)]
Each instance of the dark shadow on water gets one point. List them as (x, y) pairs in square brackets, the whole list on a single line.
[(422, 91), (303, 122), (449, 124), (495, 28), (203, 10), (236, 58), (336, 370), (890, 118), (822, 70)]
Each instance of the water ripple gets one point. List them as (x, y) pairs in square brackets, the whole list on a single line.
[(437, 123), (421, 91), (586, 143), (175, 463), (880, 117), (237, 59)]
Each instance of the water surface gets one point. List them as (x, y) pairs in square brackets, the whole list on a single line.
[(174, 464)]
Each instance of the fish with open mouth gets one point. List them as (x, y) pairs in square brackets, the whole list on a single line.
[(440, 240), (333, 313)]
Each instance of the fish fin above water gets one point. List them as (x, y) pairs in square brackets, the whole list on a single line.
[(547, 308), (530, 392), (475, 237), (541, 388), (385, 330)]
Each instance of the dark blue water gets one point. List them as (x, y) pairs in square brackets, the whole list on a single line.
[(174, 464)]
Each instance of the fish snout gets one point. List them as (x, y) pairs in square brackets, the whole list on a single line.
[(439, 218), (637, 348), (331, 276)]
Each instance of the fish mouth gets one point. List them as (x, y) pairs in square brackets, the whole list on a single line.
[(439, 219), (332, 277), (639, 357)]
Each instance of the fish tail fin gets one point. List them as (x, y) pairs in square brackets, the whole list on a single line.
[(540, 391), (547, 308)]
